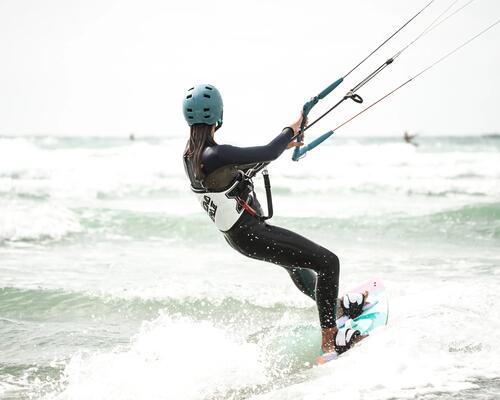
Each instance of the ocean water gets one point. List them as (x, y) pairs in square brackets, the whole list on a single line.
[(115, 285)]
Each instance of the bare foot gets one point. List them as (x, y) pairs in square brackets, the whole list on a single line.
[(328, 339)]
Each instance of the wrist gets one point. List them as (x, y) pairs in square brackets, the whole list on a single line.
[(289, 130)]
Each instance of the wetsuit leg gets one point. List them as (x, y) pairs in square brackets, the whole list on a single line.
[(262, 241), (305, 280)]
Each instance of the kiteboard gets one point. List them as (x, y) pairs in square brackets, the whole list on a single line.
[(375, 314)]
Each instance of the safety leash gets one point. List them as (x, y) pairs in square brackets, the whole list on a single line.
[(269, 198)]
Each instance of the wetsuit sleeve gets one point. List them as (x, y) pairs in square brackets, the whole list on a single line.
[(221, 155)]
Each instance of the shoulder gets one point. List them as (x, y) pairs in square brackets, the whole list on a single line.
[(211, 158), (209, 153), (218, 151), (220, 155)]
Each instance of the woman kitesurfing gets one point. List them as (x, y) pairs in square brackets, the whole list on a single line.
[(221, 177)]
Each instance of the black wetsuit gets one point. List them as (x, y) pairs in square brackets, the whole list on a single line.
[(313, 269)]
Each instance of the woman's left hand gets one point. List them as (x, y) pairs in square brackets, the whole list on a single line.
[(294, 143), (296, 125), (296, 129)]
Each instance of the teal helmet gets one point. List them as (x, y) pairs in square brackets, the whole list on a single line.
[(203, 105)]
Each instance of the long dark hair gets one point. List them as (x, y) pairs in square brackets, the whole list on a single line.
[(199, 139)]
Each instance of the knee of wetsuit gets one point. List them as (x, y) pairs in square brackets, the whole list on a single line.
[(333, 263)]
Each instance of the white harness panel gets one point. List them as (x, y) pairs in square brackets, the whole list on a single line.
[(222, 208)]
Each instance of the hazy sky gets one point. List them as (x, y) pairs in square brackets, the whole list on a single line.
[(111, 67)]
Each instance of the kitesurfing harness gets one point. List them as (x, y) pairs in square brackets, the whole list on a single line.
[(226, 191), (246, 182), (225, 206)]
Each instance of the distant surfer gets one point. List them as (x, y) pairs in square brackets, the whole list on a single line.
[(221, 177), (409, 138)]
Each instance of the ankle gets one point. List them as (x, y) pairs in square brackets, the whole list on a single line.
[(328, 339)]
